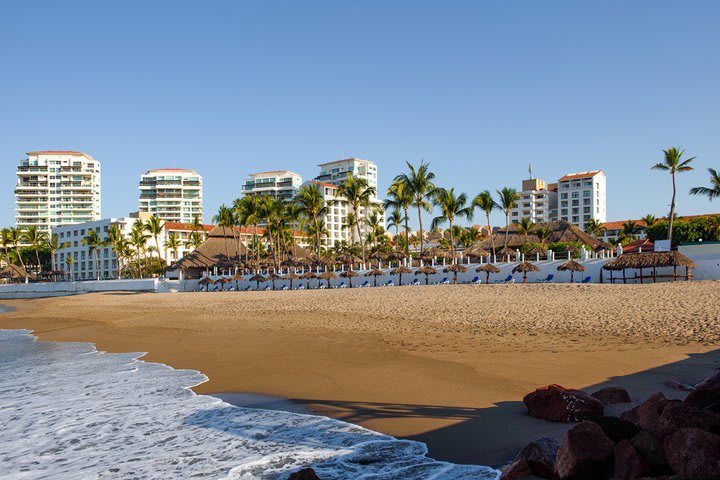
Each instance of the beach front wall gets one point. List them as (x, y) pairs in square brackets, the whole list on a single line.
[(58, 289)]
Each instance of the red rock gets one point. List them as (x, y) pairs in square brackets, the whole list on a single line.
[(693, 453), (612, 395), (678, 415), (617, 429), (651, 449), (558, 404), (585, 453), (648, 414), (707, 393), (630, 415), (629, 464), (540, 456), (304, 474), (518, 469)]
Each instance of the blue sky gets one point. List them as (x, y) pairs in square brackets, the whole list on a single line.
[(478, 89)]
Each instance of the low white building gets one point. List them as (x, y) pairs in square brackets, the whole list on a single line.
[(538, 202), (278, 183)]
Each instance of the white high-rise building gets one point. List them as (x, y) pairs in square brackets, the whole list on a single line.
[(278, 183), (538, 202), (336, 172), (57, 187), (172, 194), (582, 197)]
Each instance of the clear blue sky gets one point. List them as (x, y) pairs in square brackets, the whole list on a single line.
[(478, 89)]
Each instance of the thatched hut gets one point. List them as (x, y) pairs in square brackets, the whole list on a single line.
[(651, 260), (476, 251), (488, 268), (15, 273), (525, 267), (427, 271), (572, 266), (206, 281), (507, 253), (455, 268), (558, 231), (399, 271)]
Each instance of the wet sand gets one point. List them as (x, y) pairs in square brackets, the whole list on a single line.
[(446, 365)]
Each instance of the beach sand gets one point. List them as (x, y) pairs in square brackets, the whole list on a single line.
[(446, 365)]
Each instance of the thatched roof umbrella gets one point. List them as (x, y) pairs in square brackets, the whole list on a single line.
[(258, 278), (375, 273), (291, 276), (222, 281), (206, 281), (328, 276), (488, 268), (525, 267), (427, 271), (348, 260), (455, 268), (538, 251), (571, 266), (349, 274), (434, 252), (272, 277), (399, 271), (237, 278), (252, 265), (308, 276), (507, 252), (397, 256), (378, 255), (572, 250)]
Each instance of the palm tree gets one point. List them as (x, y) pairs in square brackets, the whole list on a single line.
[(451, 207), (36, 239), (714, 190), (5, 243), (375, 230), (247, 213), (419, 183), (542, 233), (525, 226), (629, 229), (485, 202), (154, 226), (673, 163), (357, 193), (194, 241), (137, 240), (395, 220), (507, 198), (316, 232), (115, 240), (94, 242), (15, 236), (173, 244), (52, 244), (400, 197), (312, 206), (69, 262), (225, 219), (649, 220), (594, 227)]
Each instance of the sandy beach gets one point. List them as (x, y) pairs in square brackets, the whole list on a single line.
[(446, 365)]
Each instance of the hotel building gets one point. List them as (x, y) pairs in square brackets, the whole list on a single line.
[(172, 194), (337, 172), (83, 267), (278, 183), (538, 202), (582, 197), (57, 187)]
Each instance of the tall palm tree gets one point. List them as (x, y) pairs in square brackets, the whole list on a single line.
[(115, 240), (400, 197), (5, 243), (485, 202), (507, 200), (594, 227), (194, 241), (673, 163), (52, 245), (395, 220), (154, 226), (419, 183), (225, 219), (36, 239), (15, 236), (714, 190), (357, 193), (629, 229), (93, 241), (247, 210), (375, 230), (69, 262), (525, 226), (138, 238), (312, 206), (316, 231), (173, 244), (451, 207)]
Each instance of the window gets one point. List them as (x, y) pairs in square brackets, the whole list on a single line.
[(575, 194), (587, 193), (586, 201), (575, 203)]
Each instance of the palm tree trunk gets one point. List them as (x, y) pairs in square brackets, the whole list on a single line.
[(17, 249), (492, 239), (97, 265), (317, 236), (407, 233), (672, 211), (37, 257), (452, 247), (507, 226), (422, 243), (357, 227)]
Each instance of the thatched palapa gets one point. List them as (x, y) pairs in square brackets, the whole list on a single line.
[(559, 231)]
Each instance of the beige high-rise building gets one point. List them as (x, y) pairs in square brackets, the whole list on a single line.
[(57, 187), (172, 194), (538, 202)]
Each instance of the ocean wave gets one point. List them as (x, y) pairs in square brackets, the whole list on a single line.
[(69, 411)]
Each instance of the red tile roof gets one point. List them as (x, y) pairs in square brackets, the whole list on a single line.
[(324, 184), (634, 247), (573, 176), (618, 225)]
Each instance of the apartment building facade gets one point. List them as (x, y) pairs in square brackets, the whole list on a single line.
[(538, 202), (57, 187), (582, 196), (337, 172), (277, 183), (172, 194)]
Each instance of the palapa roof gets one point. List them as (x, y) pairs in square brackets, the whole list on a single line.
[(525, 267), (435, 252), (476, 250), (15, 272), (425, 270), (488, 267), (559, 231), (258, 278), (538, 250), (328, 275), (400, 270), (649, 260), (572, 265), (374, 273), (349, 273), (455, 267)]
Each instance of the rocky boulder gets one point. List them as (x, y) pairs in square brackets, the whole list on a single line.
[(540, 456), (652, 451), (517, 469), (304, 474), (612, 395), (559, 404), (678, 415), (585, 453), (706, 393), (648, 414), (617, 429), (694, 453), (629, 464)]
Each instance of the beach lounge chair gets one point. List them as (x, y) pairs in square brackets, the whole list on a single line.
[(342, 285), (415, 282), (366, 284), (476, 281), (284, 287), (300, 287), (389, 283), (546, 279), (587, 279), (444, 281), (509, 279)]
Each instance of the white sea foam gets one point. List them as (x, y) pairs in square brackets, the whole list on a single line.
[(68, 411)]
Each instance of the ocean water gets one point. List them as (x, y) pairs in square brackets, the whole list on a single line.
[(68, 411)]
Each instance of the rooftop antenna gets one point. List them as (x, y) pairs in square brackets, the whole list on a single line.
[(530, 170)]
